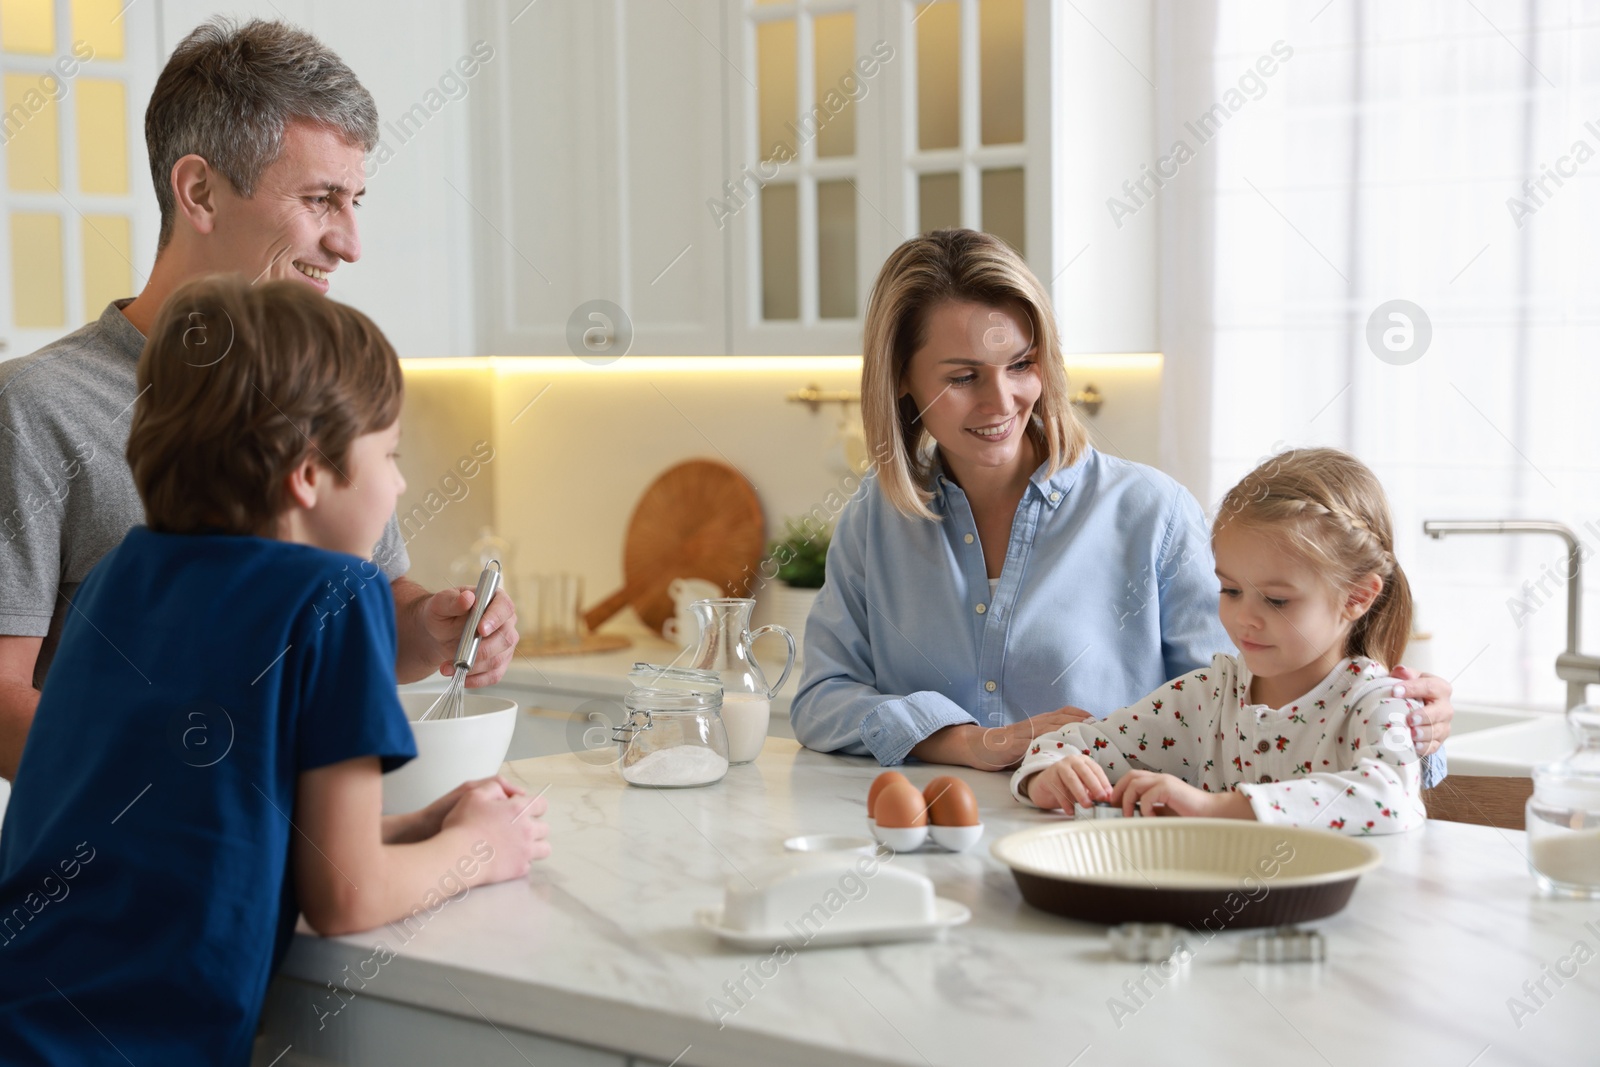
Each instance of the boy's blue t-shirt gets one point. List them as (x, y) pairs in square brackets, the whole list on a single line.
[(146, 895)]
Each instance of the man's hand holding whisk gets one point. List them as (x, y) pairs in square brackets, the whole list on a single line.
[(444, 614)]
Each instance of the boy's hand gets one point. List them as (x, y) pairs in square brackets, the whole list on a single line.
[(424, 823), (510, 824), (444, 616), (1166, 794), (1074, 779)]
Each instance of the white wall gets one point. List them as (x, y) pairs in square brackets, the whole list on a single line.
[(568, 470), (415, 274), (1103, 133)]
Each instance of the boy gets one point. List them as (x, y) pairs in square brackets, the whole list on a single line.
[(206, 761)]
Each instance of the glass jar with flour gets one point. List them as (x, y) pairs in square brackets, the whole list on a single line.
[(673, 736), (725, 650), (1563, 815)]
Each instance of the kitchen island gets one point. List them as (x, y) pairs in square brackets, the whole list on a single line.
[(1445, 955)]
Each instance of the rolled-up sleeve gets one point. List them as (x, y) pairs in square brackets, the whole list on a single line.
[(1435, 768), (838, 707)]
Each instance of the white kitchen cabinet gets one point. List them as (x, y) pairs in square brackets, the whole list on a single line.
[(944, 109), (414, 276), (596, 150), (732, 174), (305, 1025)]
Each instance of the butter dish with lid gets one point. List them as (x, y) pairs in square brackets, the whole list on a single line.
[(805, 899)]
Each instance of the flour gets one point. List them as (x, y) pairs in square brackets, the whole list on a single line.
[(682, 765)]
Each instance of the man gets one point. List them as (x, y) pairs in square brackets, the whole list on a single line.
[(256, 137)]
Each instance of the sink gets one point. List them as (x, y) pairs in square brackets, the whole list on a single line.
[(1471, 719), (1507, 742)]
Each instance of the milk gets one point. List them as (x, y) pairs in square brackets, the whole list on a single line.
[(1571, 859), (745, 717)]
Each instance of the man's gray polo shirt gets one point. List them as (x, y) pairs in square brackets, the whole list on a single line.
[(66, 492)]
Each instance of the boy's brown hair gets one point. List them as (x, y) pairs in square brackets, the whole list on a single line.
[(238, 386)]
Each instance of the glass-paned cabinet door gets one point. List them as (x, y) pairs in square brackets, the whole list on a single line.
[(76, 206), (966, 153), (806, 90), (856, 124), (800, 173)]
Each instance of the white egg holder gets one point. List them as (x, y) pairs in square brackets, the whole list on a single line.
[(912, 838)]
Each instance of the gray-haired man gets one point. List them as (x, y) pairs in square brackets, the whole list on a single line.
[(257, 135)]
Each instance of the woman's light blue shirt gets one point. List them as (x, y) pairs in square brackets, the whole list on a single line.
[(1108, 590)]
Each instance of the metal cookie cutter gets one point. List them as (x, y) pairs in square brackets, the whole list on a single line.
[(1286, 944), (1100, 809), (1147, 943)]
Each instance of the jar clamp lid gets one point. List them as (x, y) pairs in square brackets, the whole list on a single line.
[(664, 690), (1574, 782)]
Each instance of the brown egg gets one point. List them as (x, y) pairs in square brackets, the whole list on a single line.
[(878, 784), (900, 806), (950, 802)]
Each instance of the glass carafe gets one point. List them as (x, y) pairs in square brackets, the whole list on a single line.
[(1563, 815), (725, 640)]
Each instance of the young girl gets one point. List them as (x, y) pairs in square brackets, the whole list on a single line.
[(1301, 727)]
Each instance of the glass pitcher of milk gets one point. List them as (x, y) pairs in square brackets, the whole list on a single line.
[(1563, 815), (725, 640)]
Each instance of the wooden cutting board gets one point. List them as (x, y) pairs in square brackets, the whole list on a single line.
[(699, 519)]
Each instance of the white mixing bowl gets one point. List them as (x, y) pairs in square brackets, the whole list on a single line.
[(449, 751)]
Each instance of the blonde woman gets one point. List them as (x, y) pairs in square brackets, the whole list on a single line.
[(997, 574)]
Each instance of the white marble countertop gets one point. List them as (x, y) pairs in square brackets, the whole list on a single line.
[(598, 946)]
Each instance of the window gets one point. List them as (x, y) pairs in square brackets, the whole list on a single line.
[(69, 162), (1417, 152)]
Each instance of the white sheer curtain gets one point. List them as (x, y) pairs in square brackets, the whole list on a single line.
[(1386, 159)]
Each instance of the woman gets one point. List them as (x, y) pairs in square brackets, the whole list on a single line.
[(986, 589)]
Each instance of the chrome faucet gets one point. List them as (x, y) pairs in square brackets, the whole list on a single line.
[(1574, 668)]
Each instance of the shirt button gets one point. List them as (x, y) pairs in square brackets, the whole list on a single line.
[(990, 686), (968, 539), (981, 609), (1263, 745), (1266, 779), (1055, 498)]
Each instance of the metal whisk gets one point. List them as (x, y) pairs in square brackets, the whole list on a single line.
[(448, 706)]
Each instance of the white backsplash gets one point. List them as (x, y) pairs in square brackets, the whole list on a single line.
[(573, 447)]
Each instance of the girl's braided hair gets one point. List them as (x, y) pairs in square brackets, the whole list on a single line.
[(1329, 508)]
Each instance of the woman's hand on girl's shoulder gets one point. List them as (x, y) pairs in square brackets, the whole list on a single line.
[(1430, 726)]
